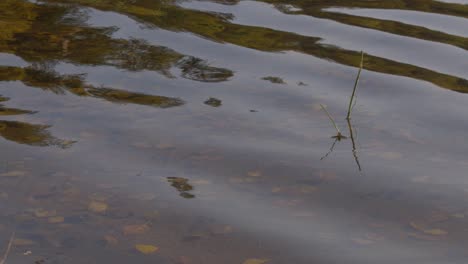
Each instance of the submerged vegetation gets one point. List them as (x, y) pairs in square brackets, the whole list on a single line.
[(352, 102)]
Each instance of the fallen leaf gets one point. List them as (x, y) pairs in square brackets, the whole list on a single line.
[(97, 207), (183, 260), (241, 180), (458, 215), (201, 182), (429, 231), (420, 179), (438, 216), (276, 190), (44, 213), (435, 232), (255, 173), (146, 249), (15, 173), (327, 175), (422, 236), (23, 242), (362, 241), (368, 239), (221, 230), (303, 214), (135, 229), (144, 196), (308, 189), (152, 215), (111, 240), (56, 219), (255, 261), (164, 146)]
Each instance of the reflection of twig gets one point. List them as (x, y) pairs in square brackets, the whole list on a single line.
[(339, 135), (331, 149), (356, 158), (5, 256), (353, 95)]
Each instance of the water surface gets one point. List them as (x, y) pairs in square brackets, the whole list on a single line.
[(150, 131)]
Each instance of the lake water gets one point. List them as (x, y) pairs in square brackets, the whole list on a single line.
[(192, 132)]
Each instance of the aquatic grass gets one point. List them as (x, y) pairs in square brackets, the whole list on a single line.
[(353, 95), (352, 103)]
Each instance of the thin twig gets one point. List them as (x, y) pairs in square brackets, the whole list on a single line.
[(5, 256), (330, 151), (356, 158), (339, 135), (353, 95)]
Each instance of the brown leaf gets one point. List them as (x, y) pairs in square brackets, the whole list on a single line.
[(23, 242), (56, 219), (183, 260), (97, 207), (111, 240), (221, 229), (44, 213), (255, 173), (255, 261)]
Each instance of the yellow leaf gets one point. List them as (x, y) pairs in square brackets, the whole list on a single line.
[(146, 249), (56, 219), (255, 173), (276, 190), (44, 213), (97, 207), (135, 229), (221, 230), (256, 261), (15, 173), (435, 232), (23, 242), (422, 228)]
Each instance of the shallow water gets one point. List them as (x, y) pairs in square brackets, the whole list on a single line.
[(149, 131)]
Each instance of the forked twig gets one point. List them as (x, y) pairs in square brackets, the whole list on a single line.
[(339, 135), (5, 256)]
